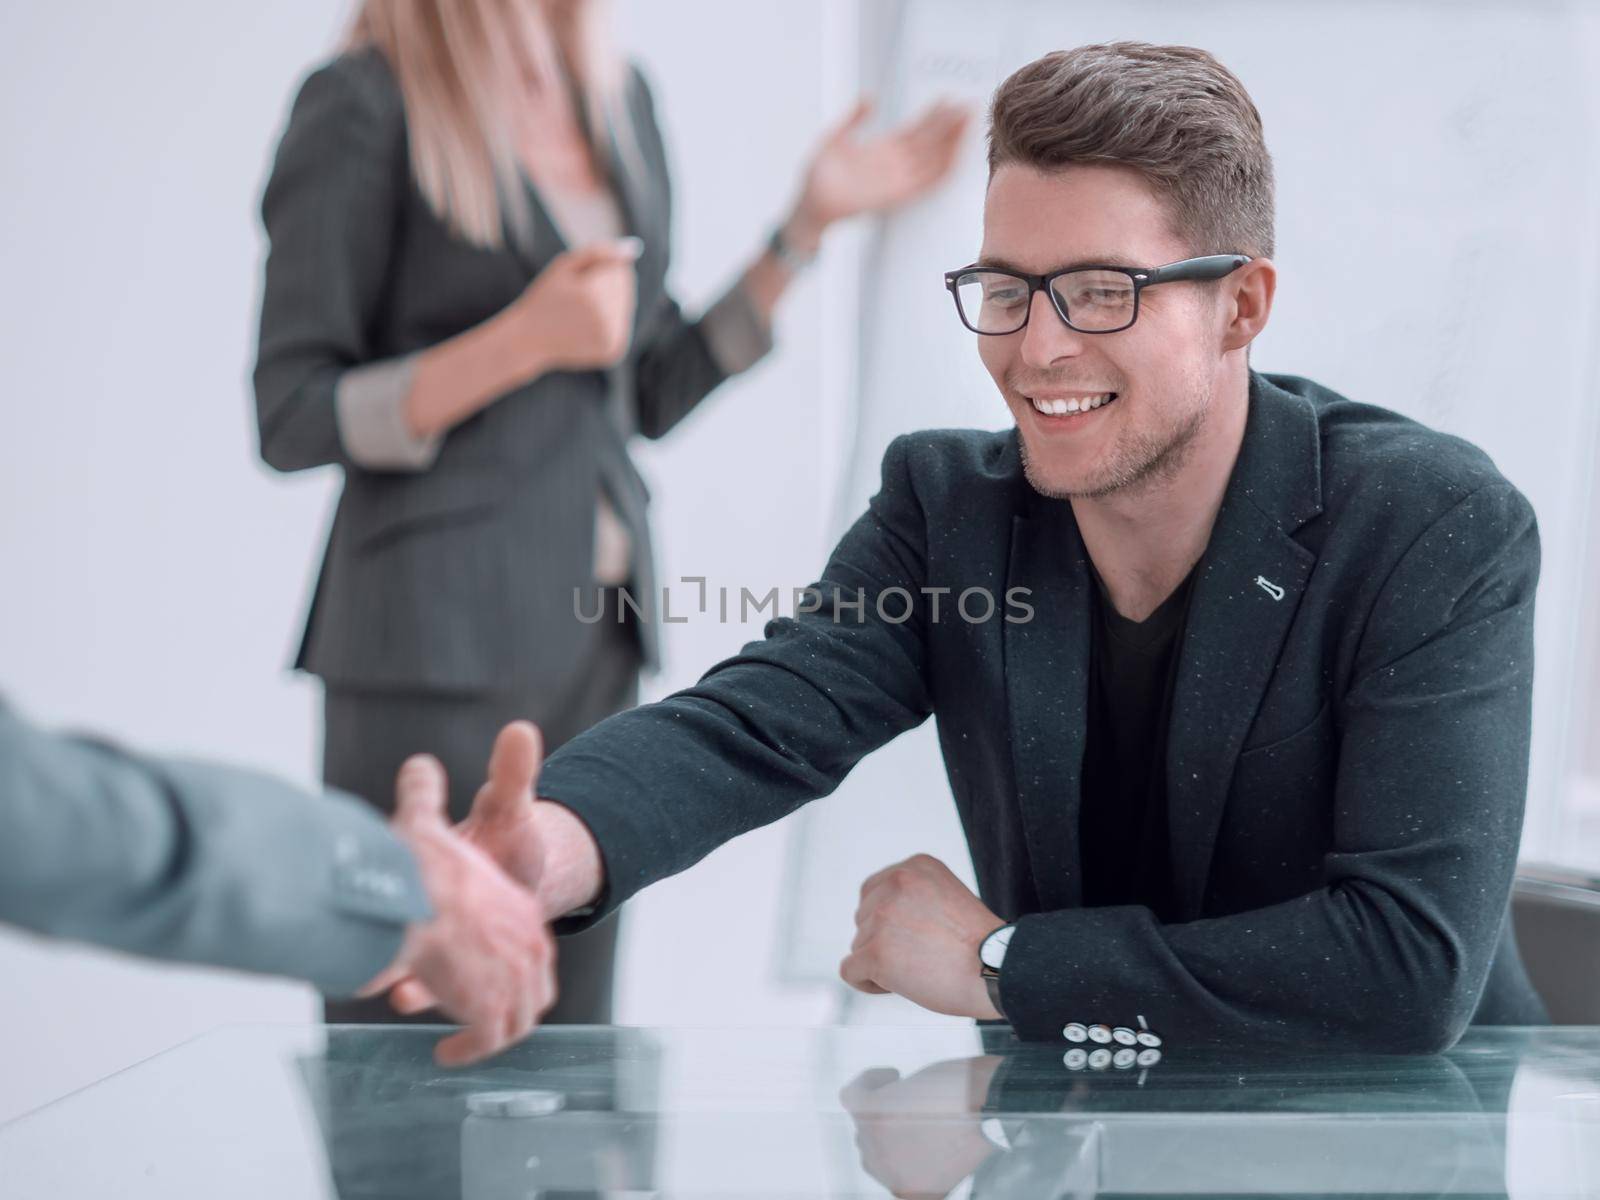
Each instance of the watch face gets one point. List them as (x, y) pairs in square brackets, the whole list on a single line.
[(993, 951)]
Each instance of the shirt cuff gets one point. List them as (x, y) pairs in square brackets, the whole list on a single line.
[(737, 334), (369, 402), (377, 894)]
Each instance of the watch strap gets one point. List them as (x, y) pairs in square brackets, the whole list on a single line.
[(793, 260), (991, 981)]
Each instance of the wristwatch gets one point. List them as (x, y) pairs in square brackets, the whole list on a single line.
[(794, 260), (991, 957)]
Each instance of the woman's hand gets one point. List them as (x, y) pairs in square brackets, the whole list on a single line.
[(850, 174), (578, 313)]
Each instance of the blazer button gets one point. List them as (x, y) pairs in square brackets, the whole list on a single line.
[(1075, 1059), (1124, 1058), (1149, 1058), (1123, 1036), (1100, 1059), (1100, 1034), (1146, 1038), (1075, 1032)]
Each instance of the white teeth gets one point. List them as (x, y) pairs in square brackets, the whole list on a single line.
[(1061, 407)]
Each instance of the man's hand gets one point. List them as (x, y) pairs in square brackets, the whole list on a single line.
[(922, 1135), (502, 822), (487, 954), (917, 934)]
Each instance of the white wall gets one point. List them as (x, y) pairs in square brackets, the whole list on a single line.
[(155, 573)]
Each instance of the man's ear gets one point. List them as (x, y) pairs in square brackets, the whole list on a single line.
[(1247, 302)]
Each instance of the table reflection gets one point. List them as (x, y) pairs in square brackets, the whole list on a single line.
[(869, 1111)]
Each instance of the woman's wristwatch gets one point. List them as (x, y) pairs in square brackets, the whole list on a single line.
[(793, 259), (991, 957)]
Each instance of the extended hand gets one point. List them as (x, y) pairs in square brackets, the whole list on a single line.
[(917, 934), (487, 955), (502, 821), (850, 174), (500, 826)]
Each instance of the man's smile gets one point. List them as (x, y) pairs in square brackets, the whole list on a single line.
[(1068, 410)]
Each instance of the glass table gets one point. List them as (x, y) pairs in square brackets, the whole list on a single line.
[(857, 1111)]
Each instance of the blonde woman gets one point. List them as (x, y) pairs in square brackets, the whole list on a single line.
[(464, 310)]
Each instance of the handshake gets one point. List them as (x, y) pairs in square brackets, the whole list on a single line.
[(486, 958), (497, 880)]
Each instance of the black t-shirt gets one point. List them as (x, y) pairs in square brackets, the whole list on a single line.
[(1133, 666)]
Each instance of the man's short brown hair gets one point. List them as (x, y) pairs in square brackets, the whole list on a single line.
[(1174, 114)]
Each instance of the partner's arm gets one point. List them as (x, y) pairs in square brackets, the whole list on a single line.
[(198, 862)]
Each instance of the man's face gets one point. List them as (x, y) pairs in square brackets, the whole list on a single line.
[(1160, 369)]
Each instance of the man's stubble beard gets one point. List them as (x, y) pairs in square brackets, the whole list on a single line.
[(1140, 461)]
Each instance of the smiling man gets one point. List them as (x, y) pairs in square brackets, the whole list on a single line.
[(1249, 763)]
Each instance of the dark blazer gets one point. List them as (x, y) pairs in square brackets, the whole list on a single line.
[(1348, 749), (198, 862), (460, 576)]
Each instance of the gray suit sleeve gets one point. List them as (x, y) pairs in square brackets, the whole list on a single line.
[(681, 361), (329, 210), (198, 863), (736, 332)]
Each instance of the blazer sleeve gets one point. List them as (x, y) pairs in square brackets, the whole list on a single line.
[(681, 361), (1392, 953), (780, 723), (198, 863), (329, 209)]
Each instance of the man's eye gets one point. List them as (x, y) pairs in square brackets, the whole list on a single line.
[(1099, 296), (1005, 296)]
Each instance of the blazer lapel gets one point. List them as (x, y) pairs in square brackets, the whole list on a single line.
[(1046, 672), (1246, 591), (626, 173)]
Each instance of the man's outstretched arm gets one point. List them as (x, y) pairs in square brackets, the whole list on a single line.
[(651, 791), (778, 724), (198, 862)]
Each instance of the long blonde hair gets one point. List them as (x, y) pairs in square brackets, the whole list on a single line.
[(459, 64)]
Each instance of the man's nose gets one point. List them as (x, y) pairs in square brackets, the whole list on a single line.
[(1048, 339)]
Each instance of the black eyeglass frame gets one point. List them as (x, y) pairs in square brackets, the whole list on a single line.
[(1206, 267)]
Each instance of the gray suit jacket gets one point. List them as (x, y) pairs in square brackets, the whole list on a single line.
[(198, 863), (460, 575)]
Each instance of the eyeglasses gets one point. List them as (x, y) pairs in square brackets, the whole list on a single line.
[(1089, 299)]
